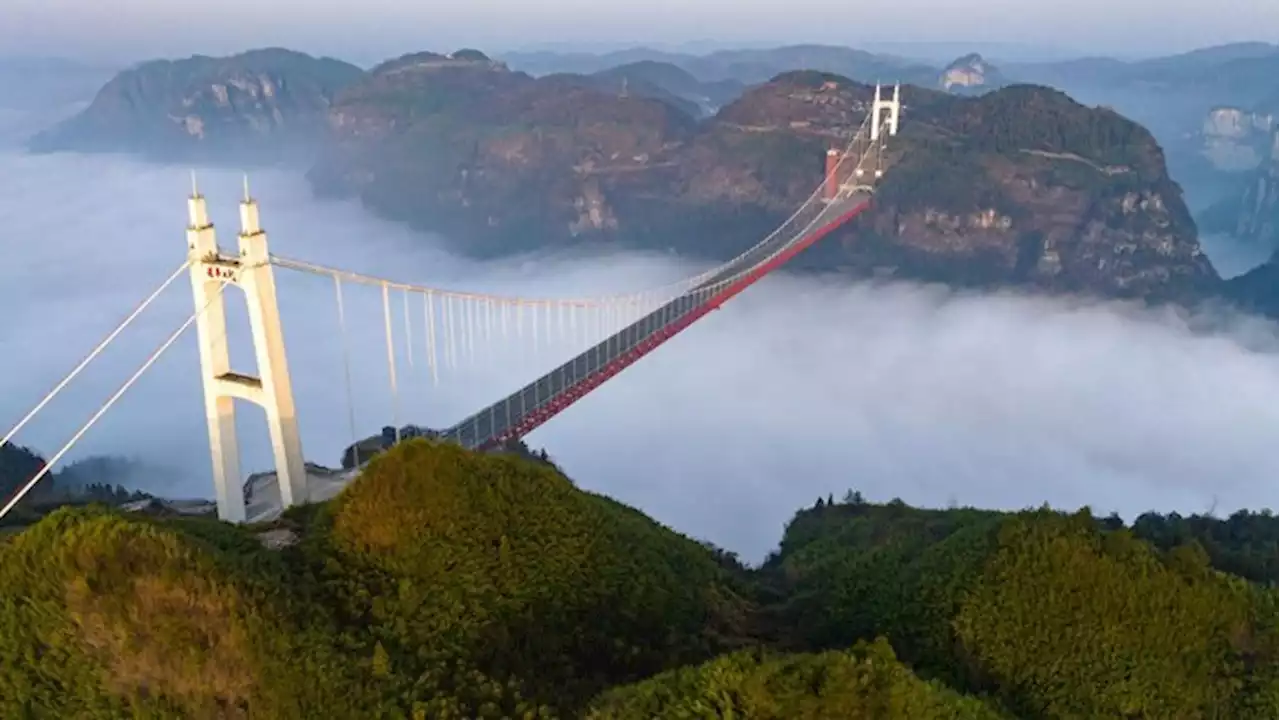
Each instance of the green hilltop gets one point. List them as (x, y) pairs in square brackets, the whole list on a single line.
[(449, 584)]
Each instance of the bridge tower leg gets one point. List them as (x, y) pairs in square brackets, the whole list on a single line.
[(215, 359), (895, 109), (259, 286), (271, 389), (880, 106)]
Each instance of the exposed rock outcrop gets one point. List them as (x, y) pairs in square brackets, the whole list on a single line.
[(260, 106), (1024, 186), (1235, 139), (969, 74), (1249, 215)]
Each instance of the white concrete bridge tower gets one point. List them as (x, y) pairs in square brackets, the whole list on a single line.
[(880, 106), (270, 389)]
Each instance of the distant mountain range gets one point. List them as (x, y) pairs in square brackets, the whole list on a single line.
[(1213, 110), (745, 66), (1175, 98), (695, 153), (1171, 95), (269, 104)]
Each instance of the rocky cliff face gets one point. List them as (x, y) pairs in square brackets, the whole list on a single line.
[(259, 106), (1259, 206), (1235, 139), (1255, 218), (1021, 186), (969, 74), (1025, 187), (1250, 216)]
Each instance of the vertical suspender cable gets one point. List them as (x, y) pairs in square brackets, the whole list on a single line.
[(446, 316), (464, 314), (518, 308), (472, 311), (460, 332), (442, 329), (546, 322), (464, 329), (454, 331), (535, 330), (346, 371), (489, 310), (391, 360), (408, 334), (428, 307)]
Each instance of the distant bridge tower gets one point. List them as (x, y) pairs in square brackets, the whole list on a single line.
[(270, 389), (878, 108)]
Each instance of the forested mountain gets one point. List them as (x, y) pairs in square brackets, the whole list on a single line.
[(1018, 187), (445, 584), (94, 479), (261, 106)]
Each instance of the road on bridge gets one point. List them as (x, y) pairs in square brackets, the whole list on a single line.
[(519, 413)]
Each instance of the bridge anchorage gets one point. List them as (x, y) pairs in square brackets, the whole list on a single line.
[(615, 330)]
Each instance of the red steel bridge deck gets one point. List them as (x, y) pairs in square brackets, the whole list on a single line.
[(524, 410)]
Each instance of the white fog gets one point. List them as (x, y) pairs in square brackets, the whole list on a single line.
[(799, 388)]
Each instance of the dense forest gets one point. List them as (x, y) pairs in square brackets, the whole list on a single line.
[(448, 584), (96, 479), (947, 149)]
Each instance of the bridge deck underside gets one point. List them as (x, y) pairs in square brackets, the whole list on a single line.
[(519, 413)]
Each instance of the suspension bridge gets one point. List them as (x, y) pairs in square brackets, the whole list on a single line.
[(616, 331)]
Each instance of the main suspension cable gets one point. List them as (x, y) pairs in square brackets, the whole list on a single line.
[(90, 357), (22, 492)]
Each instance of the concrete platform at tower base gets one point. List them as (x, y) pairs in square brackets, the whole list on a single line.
[(262, 496), (262, 491)]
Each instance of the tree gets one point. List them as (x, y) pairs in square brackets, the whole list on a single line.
[(864, 683)]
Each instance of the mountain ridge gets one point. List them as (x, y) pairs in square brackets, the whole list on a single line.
[(495, 158), (625, 171), (267, 105)]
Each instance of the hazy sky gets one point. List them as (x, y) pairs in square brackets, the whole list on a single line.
[(796, 389), (130, 29)]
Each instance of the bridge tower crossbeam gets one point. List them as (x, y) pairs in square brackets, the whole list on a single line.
[(250, 270)]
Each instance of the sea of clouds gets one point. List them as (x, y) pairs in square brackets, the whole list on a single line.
[(800, 388)]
